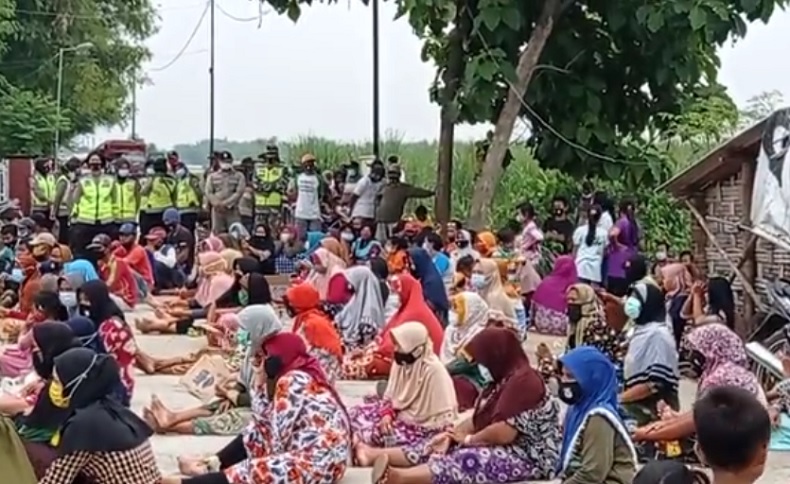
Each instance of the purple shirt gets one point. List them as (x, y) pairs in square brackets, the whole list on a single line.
[(624, 249)]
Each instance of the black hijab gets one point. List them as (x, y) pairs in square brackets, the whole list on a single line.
[(636, 268), (379, 267), (259, 290), (654, 308), (97, 422), (49, 303), (52, 339), (102, 307)]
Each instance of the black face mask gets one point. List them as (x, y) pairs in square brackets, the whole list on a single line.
[(574, 313), (85, 310), (570, 392), (463, 244), (404, 359), (272, 365), (39, 366), (695, 365)]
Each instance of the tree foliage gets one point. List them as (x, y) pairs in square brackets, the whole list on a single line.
[(96, 81), (28, 121), (759, 107)]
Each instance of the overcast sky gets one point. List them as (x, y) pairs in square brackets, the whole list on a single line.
[(314, 77)]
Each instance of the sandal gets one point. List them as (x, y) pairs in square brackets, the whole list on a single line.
[(381, 470)]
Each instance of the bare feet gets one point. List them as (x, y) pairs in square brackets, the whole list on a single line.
[(150, 419), (162, 416), (363, 455), (144, 325), (380, 472), (145, 363), (191, 465)]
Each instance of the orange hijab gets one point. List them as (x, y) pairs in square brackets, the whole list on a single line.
[(486, 243), (30, 282), (318, 330), (336, 247)]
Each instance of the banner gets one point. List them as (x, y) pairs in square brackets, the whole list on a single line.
[(771, 191)]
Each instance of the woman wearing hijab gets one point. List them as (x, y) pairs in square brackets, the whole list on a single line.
[(362, 317), (249, 287), (676, 281), (487, 282), (85, 332), (325, 266), (336, 248), (419, 400), (513, 435), (300, 427), (116, 335), (511, 289), (596, 445), (468, 316), (212, 243), (433, 290), (624, 237), (261, 246), (548, 303), (389, 298), (375, 359), (651, 362), (289, 250), (316, 328), (366, 248), (716, 357), (101, 439)]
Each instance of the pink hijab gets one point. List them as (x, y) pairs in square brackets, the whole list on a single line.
[(17, 359), (214, 281), (551, 292), (212, 243), (333, 265)]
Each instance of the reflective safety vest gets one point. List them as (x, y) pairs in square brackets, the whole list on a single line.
[(63, 209), (95, 205), (186, 197), (161, 196), (46, 185), (268, 178), (125, 202)]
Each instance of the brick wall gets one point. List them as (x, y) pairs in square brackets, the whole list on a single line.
[(724, 201)]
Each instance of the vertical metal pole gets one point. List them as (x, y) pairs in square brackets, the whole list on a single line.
[(211, 86), (58, 97), (376, 94), (134, 104)]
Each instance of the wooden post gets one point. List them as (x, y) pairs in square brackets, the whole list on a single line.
[(749, 255)]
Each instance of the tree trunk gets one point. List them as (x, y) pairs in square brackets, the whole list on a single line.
[(449, 111), (492, 167)]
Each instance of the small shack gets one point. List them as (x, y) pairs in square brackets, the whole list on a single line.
[(719, 192)]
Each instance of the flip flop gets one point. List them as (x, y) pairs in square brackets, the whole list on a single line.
[(381, 468)]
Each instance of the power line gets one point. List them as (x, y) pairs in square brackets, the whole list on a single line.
[(45, 13), (188, 42), (238, 19)]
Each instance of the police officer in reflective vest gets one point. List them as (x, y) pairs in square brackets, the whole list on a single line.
[(64, 187), (92, 206), (157, 195), (189, 193), (42, 187), (126, 197), (270, 185)]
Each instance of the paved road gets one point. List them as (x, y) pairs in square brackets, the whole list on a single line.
[(168, 447)]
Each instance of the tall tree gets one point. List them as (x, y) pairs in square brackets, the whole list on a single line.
[(759, 106)]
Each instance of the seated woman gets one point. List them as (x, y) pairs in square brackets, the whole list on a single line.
[(587, 326), (230, 413), (325, 265), (316, 328), (396, 251), (596, 445), (178, 316), (433, 290), (487, 282), (419, 400), (302, 429), (100, 438), (114, 271), (468, 316), (362, 317), (716, 357), (548, 313), (462, 280), (260, 246), (338, 248), (366, 247), (512, 291), (374, 360), (115, 334), (513, 435), (288, 251)]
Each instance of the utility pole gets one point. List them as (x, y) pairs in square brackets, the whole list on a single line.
[(134, 104), (376, 94), (211, 85)]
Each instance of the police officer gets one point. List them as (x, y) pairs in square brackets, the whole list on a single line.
[(64, 187), (247, 201), (188, 192), (92, 206), (270, 185), (157, 194), (126, 196), (224, 189), (42, 187)]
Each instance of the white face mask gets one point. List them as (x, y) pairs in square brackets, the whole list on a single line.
[(347, 236), (123, 172), (150, 170), (181, 173), (226, 165), (661, 256), (285, 237), (68, 299), (85, 171)]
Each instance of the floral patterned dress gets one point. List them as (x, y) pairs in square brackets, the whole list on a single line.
[(302, 436), (365, 419), (532, 456), (118, 339)]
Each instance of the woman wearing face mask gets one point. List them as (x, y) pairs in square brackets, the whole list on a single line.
[(549, 306), (596, 445), (487, 282), (469, 315), (362, 317), (289, 250), (365, 248), (127, 194), (316, 328), (301, 429), (513, 435), (651, 363), (100, 438), (326, 265), (49, 307), (419, 400), (230, 413), (716, 358), (261, 246)]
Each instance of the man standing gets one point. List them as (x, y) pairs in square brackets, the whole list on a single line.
[(224, 189), (394, 196), (126, 196), (93, 206), (366, 192), (42, 187), (306, 188), (558, 228), (270, 184), (157, 195), (188, 192), (63, 191)]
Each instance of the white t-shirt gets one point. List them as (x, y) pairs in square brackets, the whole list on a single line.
[(366, 191), (590, 257), (308, 206), (605, 222)]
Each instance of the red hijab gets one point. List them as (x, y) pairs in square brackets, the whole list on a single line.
[(516, 388), (413, 308), (317, 327)]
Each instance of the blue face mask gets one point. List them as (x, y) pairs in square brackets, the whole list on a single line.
[(242, 337), (478, 281), (485, 374), (633, 307)]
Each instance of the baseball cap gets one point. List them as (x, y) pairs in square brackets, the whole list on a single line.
[(44, 238), (226, 156), (308, 158), (127, 229), (171, 216), (101, 241), (156, 233)]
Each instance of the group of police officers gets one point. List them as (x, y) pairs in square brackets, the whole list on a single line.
[(85, 198)]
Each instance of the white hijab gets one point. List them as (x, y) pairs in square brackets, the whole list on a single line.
[(468, 317), (365, 304)]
